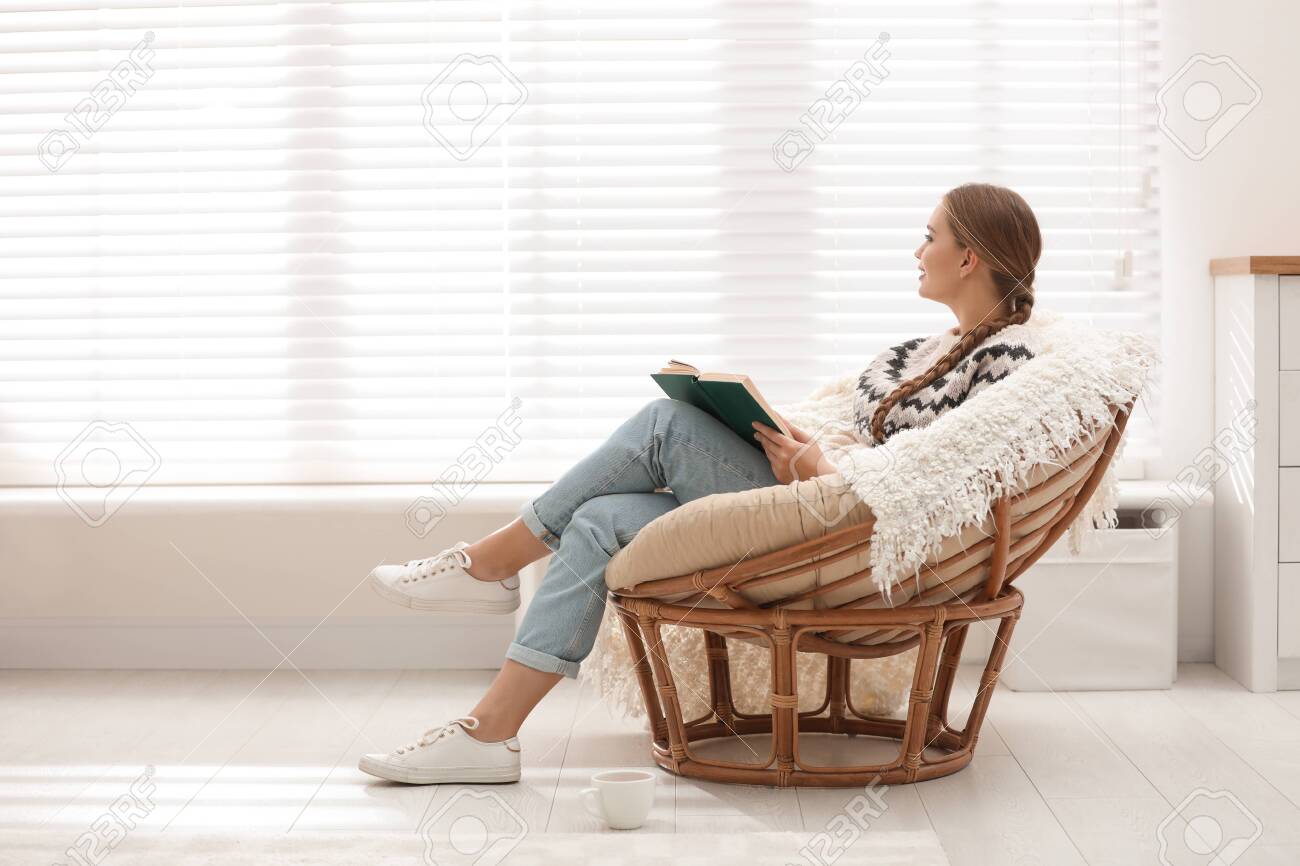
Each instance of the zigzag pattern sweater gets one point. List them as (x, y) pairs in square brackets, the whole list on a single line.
[(839, 412), (989, 362)]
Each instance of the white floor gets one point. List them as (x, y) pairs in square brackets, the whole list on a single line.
[(1059, 778)]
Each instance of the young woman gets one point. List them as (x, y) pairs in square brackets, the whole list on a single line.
[(981, 246)]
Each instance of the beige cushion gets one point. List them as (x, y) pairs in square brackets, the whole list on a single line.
[(725, 528)]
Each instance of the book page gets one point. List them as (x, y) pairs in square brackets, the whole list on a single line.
[(680, 367)]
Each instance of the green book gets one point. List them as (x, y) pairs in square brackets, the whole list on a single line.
[(729, 397)]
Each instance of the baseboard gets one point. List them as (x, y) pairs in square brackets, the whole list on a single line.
[(1288, 674), (445, 642)]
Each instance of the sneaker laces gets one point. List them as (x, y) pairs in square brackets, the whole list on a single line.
[(433, 735), (452, 557)]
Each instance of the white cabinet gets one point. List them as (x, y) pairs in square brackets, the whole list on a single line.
[(1119, 598), (1257, 493), (1288, 512), (1288, 610), (1288, 302), (1288, 398)]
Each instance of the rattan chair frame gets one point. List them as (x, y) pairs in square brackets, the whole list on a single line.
[(929, 747)]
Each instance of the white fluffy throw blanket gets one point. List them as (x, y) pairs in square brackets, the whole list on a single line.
[(927, 484), (923, 485)]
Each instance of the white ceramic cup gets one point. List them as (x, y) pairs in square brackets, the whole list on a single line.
[(620, 798)]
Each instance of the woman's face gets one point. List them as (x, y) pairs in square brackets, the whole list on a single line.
[(941, 259)]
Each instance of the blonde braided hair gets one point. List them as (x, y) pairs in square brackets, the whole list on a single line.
[(999, 225)]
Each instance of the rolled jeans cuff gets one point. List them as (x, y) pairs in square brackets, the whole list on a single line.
[(542, 661), (528, 514)]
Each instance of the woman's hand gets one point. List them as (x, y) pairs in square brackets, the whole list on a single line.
[(796, 459)]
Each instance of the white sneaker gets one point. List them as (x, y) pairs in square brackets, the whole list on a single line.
[(442, 583), (447, 754)]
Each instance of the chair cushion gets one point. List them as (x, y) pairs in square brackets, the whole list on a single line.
[(725, 528)]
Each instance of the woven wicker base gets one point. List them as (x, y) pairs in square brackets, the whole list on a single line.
[(937, 630)]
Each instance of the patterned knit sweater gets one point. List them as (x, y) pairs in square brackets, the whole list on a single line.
[(839, 412), (989, 362)]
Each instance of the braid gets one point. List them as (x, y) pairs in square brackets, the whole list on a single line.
[(1022, 306), (1000, 226)]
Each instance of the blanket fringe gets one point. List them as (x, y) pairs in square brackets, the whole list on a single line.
[(878, 686)]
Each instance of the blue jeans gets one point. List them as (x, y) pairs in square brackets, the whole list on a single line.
[(596, 508)]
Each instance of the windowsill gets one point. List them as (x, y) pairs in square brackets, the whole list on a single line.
[(485, 498)]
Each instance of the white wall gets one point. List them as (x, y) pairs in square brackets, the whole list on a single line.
[(231, 577), (1243, 198)]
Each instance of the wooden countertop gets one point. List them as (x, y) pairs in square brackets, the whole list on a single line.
[(1255, 265)]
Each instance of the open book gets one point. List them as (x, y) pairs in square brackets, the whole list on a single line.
[(729, 397)]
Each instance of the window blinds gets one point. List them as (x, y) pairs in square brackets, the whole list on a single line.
[(254, 242)]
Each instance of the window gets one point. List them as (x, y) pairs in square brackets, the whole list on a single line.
[(339, 242)]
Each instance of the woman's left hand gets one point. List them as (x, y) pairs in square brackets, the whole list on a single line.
[(792, 460)]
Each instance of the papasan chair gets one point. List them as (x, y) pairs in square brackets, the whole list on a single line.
[(832, 584)]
